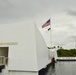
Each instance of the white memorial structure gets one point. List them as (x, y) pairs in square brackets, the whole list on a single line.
[(22, 49)]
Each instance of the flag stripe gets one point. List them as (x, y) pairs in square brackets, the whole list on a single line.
[(46, 24)]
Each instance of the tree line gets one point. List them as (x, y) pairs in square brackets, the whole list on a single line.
[(66, 52)]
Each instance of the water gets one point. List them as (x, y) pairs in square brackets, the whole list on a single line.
[(63, 68)]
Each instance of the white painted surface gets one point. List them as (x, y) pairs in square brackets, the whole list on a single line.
[(30, 54), (7, 72), (53, 53), (19, 73), (22, 73), (42, 51), (66, 58)]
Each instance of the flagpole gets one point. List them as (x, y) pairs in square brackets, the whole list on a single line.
[(47, 23), (51, 33)]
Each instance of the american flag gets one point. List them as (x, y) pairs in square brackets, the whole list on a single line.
[(46, 24)]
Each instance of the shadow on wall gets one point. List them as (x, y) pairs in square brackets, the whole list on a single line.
[(45, 70), (2, 67)]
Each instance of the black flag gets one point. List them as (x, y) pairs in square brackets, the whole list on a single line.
[(49, 29)]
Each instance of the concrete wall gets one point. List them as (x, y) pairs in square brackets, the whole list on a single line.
[(22, 73), (22, 56), (30, 52), (42, 51), (15, 72), (5, 72)]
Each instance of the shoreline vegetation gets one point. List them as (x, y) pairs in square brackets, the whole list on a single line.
[(66, 53)]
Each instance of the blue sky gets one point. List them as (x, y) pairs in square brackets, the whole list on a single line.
[(61, 12)]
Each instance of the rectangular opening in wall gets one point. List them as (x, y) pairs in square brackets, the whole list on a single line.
[(4, 55)]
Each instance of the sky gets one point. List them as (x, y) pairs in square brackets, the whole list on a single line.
[(61, 12)]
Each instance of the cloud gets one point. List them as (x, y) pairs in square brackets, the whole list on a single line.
[(19, 10), (71, 12), (63, 25)]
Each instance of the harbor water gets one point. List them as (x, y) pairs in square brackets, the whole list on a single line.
[(62, 68)]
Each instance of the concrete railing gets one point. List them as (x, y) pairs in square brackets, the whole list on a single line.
[(3, 60), (66, 58)]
